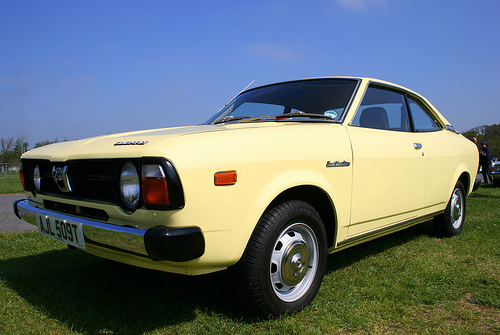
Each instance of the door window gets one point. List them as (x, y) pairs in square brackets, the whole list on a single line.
[(382, 109)]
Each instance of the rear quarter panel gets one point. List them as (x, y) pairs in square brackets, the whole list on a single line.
[(448, 156)]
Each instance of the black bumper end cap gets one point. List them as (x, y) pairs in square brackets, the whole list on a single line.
[(174, 244), (16, 211)]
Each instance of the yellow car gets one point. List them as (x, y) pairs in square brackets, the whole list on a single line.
[(281, 176)]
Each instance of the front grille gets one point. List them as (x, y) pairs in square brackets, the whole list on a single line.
[(96, 180), (93, 179), (88, 179), (91, 213)]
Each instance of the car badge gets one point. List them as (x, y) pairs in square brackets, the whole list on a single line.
[(337, 164), (131, 143), (60, 175)]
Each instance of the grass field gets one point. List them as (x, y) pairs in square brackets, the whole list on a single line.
[(10, 185), (411, 282)]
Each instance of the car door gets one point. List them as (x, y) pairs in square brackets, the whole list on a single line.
[(389, 169), (441, 163)]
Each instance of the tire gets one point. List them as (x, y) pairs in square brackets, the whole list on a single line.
[(285, 259), (451, 222)]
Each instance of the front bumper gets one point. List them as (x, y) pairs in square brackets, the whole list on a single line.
[(159, 243)]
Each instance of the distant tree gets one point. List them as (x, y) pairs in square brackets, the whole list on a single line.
[(6, 153), (492, 131), (494, 145), (489, 134), (20, 147)]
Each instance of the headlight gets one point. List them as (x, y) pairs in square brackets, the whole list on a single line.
[(37, 179), (130, 188)]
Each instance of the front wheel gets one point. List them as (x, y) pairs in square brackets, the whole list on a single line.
[(285, 259), (451, 222)]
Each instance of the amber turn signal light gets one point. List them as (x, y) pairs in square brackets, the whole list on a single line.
[(154, 185), (225, 178), (21, 175)]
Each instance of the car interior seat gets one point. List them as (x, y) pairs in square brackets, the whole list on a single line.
[(374, 117)]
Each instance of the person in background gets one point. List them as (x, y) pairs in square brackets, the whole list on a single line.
[(485, 162)]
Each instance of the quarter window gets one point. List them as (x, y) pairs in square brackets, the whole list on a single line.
[(422, 121)]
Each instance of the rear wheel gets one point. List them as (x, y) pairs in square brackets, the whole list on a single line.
[(451, 222), (285, 259)]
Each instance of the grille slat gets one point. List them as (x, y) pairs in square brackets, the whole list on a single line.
[(89, 179), (87, 212)]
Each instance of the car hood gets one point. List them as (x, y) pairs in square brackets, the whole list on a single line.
[(154, 142)]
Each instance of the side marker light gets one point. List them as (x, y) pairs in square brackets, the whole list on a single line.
[(225, 178)]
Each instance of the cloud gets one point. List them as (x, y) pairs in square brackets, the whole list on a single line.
[(14, 85), (272, 50), (360, 5)]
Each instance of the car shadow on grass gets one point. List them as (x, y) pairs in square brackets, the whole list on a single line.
[(349, 256), (92, 295)]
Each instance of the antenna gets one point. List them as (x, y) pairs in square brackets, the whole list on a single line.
[(227, 103)]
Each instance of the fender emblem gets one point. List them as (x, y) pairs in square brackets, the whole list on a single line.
[(337, 163), (131, 143)]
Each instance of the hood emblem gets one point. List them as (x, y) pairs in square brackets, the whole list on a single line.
[(131, 143), (60, 175)]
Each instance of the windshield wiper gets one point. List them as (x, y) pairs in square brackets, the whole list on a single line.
[(285, 116), (243, 119), (229, 118)]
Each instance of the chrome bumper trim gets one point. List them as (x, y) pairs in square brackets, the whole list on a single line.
[(158, 243), (125, 239)]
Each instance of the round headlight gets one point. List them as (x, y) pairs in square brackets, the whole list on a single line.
[(37, 179), (129, 185)]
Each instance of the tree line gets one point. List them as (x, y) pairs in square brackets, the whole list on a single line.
[(12, 149), (489, 134)]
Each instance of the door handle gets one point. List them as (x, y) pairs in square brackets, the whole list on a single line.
[(417, 146)]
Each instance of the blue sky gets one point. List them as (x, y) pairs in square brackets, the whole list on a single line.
[(75, 69)]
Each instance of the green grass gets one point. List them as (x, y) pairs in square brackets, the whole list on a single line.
[(411, 282), (10, 185)]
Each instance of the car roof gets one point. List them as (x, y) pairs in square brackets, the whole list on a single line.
[(357, 78), (365, 81)]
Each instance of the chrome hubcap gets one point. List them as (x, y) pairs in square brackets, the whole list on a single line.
[(294, 262), (456, 208)]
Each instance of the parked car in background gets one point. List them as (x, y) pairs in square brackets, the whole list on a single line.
[(495, 172), (283, 175)]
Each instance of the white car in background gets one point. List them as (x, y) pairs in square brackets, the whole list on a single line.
[(495, 172)]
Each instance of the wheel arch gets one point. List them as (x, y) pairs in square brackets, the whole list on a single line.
[(319, 200), (465, 178)]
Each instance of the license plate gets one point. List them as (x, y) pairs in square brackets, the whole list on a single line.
[(62, 230)]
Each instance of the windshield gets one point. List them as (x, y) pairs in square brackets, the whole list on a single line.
[(324, 99)]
